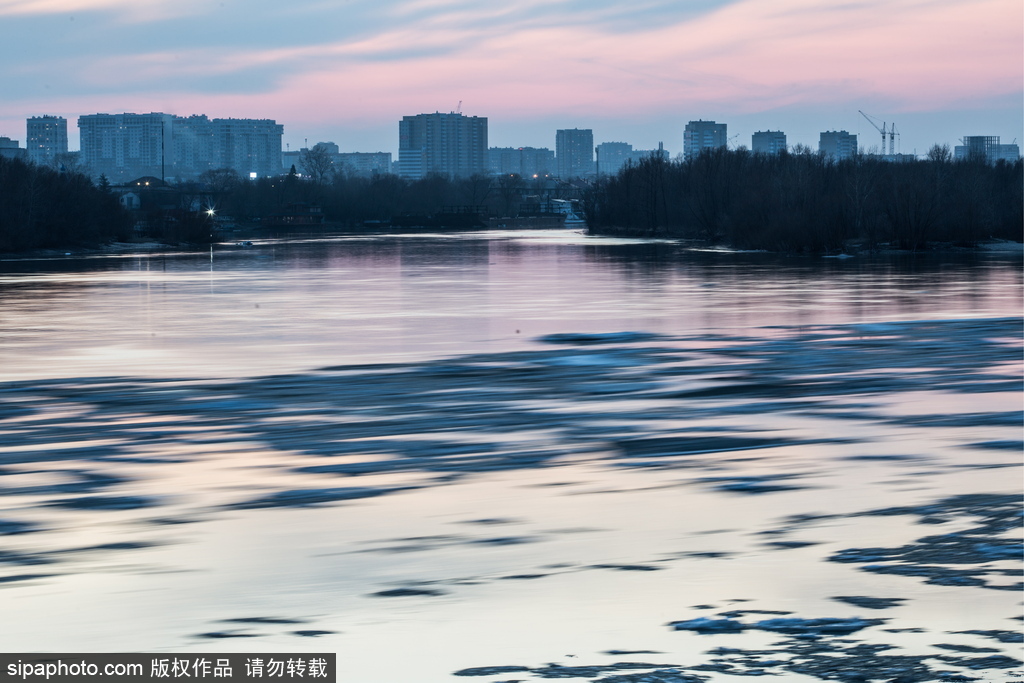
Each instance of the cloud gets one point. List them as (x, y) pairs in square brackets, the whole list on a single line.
[(746, 55), (129, 11), (351, 63)]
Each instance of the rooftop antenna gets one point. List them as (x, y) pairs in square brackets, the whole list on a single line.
[(458, 109)]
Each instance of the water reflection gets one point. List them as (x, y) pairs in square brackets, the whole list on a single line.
[(440, 454)]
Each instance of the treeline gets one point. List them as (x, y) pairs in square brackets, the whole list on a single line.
[(806, 203), (351, 201), (42, 208)]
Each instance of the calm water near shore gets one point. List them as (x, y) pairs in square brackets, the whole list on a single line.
[(516, 456), (294, 306)]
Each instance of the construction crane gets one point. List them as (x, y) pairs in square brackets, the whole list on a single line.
[(884, 130)]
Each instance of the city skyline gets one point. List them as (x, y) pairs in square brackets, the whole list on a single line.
[(939, 69)]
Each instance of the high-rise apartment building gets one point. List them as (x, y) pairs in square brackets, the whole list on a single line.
[(574, 152), (454, 145), (703, 135), (523, 161), (252, 147), (195, 147), (126, 146), (837, 144), (768, 142), (47, 138)]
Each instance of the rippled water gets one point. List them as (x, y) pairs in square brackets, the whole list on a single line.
[(449, 453)]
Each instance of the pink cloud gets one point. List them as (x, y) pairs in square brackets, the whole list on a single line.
[(747, 57)]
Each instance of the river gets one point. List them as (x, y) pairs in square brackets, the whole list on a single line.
[(516, 456)]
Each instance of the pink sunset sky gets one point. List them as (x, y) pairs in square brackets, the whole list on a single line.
[(347, 71)]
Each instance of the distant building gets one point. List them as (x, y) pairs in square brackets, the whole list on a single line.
[(659, 153), (986, 147), (452, 144), (703, 135), (1009, 153), (292, 157), (768, 142), (47, 138), (524, 161), (124, 146), (194, 146), (367, 164), (612, 156), (252, 147), (898, 158), (9, 149), (837, 144), (574, 152)]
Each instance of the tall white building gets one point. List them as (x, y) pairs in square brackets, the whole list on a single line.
[(47, 138), (454, 145), (703, 135)]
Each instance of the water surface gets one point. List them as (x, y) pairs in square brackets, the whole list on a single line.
[(447, 453)]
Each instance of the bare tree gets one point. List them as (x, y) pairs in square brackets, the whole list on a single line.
[(316, 162), (221, 180), (940, 154), (68, 162), (510, 187), (475, 189)]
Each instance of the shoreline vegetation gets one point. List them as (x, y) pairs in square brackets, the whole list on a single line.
[(805, 203), (794, 204)]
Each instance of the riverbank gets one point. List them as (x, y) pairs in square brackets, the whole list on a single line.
[(851, 248), (1005, 247)]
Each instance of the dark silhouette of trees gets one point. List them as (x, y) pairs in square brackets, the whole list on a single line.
[(42, 208), (804, 202), (793, 202), (509, 189)]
